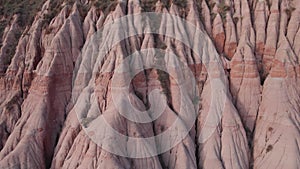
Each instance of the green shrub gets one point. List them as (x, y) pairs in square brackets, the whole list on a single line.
[(213, 16), (163, 77), (211, 5), (289, 11), (12, 102), (105, 5), (161, 45), (26, 8), (85, 121), (235, 20), (180, 3), (148, 5), (222, 9), (269, 148)]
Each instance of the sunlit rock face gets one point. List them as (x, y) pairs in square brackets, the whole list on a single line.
[(214, 83)]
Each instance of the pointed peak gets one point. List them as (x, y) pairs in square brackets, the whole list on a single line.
[(119, 10), (238, 56), (174, 9), (284, 52), (159, 6), (134, 7)]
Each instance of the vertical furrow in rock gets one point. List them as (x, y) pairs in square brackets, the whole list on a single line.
[(10, 39), (209, 152), (74, 146), (231, 39), (293, 32), (139, 97), (245, 85), (102, 92), (90, 21), (235, 151), (272, 37), (284, 16), (81, 78), (219, 141), (276, 140), (238, 15), (15, 88), (218, 33), (261, 15), (294, 22), (296, 44), (34, 50), (205, 15), (182, 155), (246, 14), (51, 86), (10, 107)]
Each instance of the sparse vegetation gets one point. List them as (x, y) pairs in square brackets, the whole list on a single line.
[(160, 44), (55, 7), (199, 8), (213, 16), (12, 102), (10, 50), (289, 11), (235, 20), (105, 5), (180, 3), (163, 77), (196, 100), (9, 55), (148, 5), (85, 121), (26, 8), (211, 5), (222, 9), (269, 148), (270, 128)]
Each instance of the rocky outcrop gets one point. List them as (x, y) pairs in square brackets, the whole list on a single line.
[(57, 85), (9, 39), (30, 140), (277, 130)]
